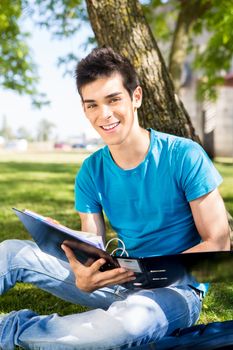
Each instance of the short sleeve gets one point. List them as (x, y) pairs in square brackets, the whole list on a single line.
[(195, 172), (86, 196)]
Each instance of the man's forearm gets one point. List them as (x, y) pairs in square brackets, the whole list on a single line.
[(208, 246)]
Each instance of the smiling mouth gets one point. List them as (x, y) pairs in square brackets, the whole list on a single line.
[(110, 126)]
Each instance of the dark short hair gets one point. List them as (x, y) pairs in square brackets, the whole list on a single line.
[(104, 62)]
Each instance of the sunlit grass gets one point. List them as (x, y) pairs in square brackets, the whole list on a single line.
[(47, 189)]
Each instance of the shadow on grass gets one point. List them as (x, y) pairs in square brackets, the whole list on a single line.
[(229, 204), (228, 199), (15, 167), (227, 164)]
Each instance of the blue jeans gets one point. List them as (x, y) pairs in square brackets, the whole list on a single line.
[(120, 318)]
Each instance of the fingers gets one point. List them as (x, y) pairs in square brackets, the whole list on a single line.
[(125, 277), (95, 267), (74, 262), (97, 264), (70, 256), (115, 276), (69, 253)]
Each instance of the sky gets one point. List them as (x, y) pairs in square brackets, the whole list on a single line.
[(65, 110)]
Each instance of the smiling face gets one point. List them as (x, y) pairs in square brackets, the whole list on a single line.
[(110, 109)]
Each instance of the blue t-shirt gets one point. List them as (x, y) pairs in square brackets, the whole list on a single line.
[(148, 206)]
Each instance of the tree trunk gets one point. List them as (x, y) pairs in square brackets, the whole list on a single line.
[(189, 12), (179, 45), (121, 24)]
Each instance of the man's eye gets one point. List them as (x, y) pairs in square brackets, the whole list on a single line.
[(115, 99), (91, 106)]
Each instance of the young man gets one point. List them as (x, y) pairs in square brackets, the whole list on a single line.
[(160, 195)]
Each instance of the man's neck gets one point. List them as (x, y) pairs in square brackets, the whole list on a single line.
[(132, 152)]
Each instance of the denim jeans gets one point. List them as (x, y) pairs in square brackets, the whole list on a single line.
[(119, 318)]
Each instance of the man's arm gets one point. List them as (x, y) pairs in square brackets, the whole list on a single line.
[(90, 278), (93, 223), (210, 218)]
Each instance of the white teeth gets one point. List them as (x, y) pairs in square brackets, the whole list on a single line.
[(109, 127)]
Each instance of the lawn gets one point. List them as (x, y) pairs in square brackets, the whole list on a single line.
[(47, 187)]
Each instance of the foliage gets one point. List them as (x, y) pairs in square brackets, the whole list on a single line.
[(5, 130), (60, 16), (17, 69), (44, 130), (13, 50), (23, 133), (161, 16), (214, 57)]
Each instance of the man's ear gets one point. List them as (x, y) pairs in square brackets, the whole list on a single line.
[(137, 97)]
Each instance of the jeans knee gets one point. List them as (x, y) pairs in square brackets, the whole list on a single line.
[(9, 246), (10, 249), (6, 248), (141, 316)]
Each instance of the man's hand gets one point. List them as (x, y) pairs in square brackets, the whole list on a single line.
[(90, 278)]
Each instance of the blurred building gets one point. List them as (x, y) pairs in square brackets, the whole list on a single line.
[(213, 121), (16, 145)]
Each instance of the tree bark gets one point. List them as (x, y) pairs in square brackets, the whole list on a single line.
[(121, 24)]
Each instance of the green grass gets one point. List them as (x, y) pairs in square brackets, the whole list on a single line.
[(48, 189), (226, 188), (218, 305)]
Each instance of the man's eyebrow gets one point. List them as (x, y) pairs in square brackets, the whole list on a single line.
[(108, 96), (114, 94), (88, 101)]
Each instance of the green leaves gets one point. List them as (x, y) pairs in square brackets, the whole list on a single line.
[(215, 59), (62, 17), (210, 36), (18, 70)]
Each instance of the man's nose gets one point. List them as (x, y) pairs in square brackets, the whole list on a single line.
[(106, 112)]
